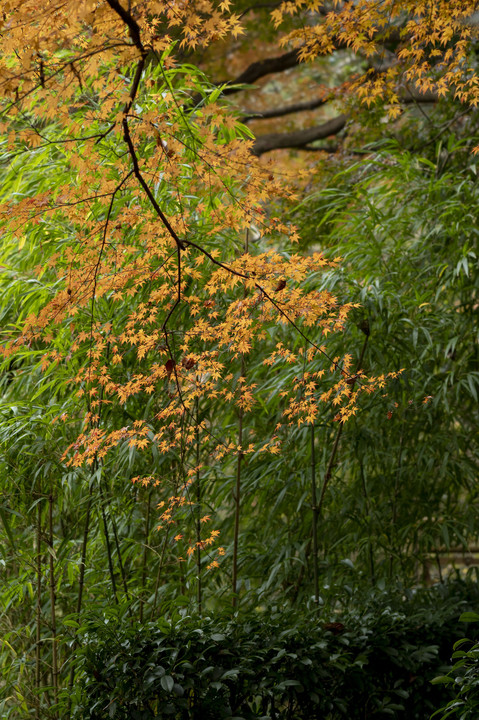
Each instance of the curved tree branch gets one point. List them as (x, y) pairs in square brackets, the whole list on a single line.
[(261, 68), (284, 110), (298, 138), (301, 139)]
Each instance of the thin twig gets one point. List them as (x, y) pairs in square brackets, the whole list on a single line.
[(339, 431)]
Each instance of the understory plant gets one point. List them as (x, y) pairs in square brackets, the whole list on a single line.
[(376, 659)]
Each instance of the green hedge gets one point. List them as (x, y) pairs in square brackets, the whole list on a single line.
[(373, 661)]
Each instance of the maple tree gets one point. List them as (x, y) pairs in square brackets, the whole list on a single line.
[(152, 187), (170, 295)]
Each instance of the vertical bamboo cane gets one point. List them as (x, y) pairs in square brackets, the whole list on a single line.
[(81, 578), (237, 488), (237, 501), (53, 603), (118, 552), (108, 546), (38, 611), (145, 554), (317, 506), (198, 511), (315, 518)]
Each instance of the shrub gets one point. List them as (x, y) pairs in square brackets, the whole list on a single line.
[(463, 678), (375, 660)]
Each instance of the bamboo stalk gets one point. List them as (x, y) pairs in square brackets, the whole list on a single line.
[(53, 604), (237, 488), (370, 545), (199, 589), (81, 578), (237, 502), (107, 544), (145, 554), (159, 574), (397, 474), (118, 552), (163, 551), (317, 507), (339, 432), (86, 530), (38, 611), (315, 518)]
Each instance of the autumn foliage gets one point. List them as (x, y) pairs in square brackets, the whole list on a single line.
[(153, 185)]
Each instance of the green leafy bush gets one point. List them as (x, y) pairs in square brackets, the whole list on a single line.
[(463, 678), (376, 660)]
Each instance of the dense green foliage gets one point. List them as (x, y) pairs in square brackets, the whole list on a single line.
[(463, 678), (376, 659), (402, 488), (406, 225)]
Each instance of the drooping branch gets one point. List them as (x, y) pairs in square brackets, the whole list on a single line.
[(144, 184), (408, 96), (411, 95)]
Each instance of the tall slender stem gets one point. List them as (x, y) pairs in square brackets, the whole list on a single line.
[(315, 518), (160, 570), (53, 604), (237, 501), (38, 610), (163, 550), (107, 544), (118, 552), (86, 530), (368, 510), (145, 554), (199, 589), (317, 507), (81, 578), (397, 476), (339, 432), (237, 488)]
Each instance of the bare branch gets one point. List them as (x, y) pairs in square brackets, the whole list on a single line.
[(130, 21), (284, 110), (298, 138), (301, 139), (411, 95), (144, 184), (260, 68)]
